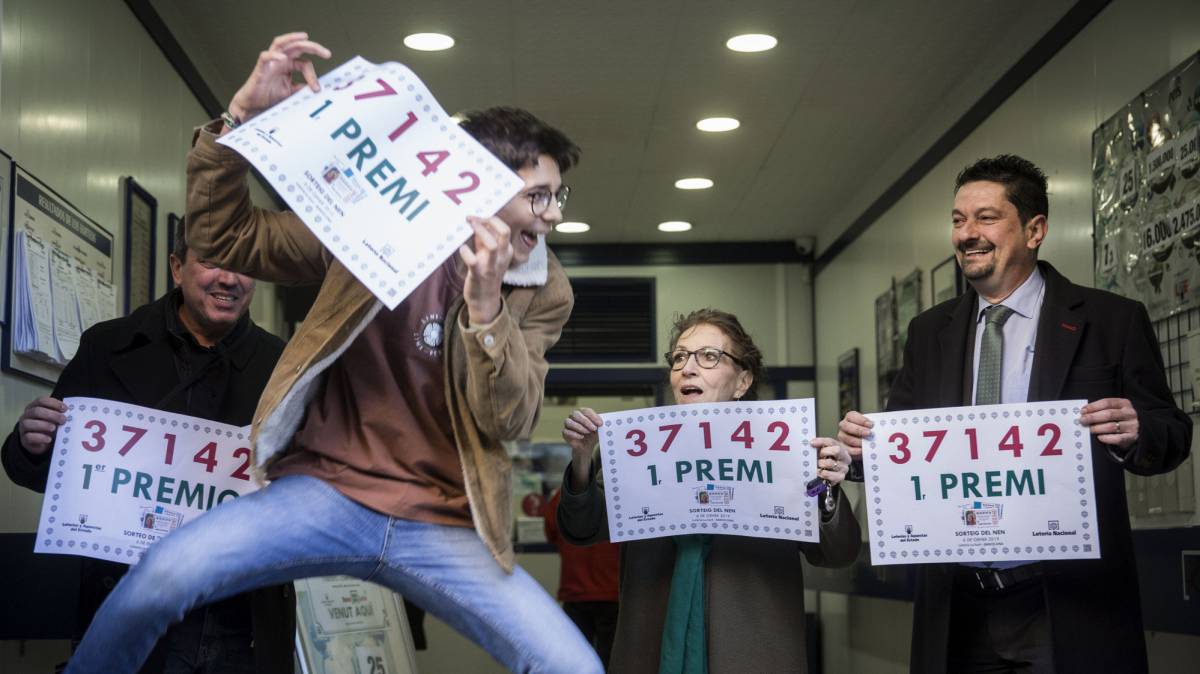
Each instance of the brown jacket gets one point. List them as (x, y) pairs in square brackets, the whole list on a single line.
[(494, 373), (753, 588)]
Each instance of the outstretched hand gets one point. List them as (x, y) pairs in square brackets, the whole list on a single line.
[(273, 77)]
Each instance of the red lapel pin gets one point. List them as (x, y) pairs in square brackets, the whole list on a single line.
[(1068, 326)]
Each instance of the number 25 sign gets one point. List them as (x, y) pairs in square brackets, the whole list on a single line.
[(378, 171), (123, 476), (982, 483)]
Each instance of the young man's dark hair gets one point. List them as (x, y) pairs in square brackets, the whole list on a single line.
[(1024, 183), (517, 138)]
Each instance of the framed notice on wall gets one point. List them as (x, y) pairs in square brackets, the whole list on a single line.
[(6, 171), (1146, 195), (945, 281), (141, 214), (908, 305), (173, 221), (60, 279), (847, 368), (887, 357)]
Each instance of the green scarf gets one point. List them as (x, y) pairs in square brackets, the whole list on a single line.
[(684, 646)]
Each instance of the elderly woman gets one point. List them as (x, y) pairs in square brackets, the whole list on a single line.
[(749, 616)]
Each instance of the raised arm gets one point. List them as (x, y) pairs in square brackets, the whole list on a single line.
[(222, 225)]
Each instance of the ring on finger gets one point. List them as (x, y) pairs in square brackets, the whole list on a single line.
[(1118, 425)]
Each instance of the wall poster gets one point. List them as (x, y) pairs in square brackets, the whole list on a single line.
[(1146, 195), (887, 355), (141, 218)]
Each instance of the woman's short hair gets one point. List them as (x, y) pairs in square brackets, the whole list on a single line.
[(744, 348)]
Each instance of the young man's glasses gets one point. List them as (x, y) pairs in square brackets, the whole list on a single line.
[(540, 200), (707, 357)]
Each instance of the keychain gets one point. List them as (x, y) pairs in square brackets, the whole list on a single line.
[(817, 486)]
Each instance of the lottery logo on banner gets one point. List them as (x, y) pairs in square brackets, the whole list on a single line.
[(984, 483), (124, 476), (378, 171), (725, 468)]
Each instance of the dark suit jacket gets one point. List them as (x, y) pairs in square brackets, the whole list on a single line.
[(1090, 344), (130, 360)]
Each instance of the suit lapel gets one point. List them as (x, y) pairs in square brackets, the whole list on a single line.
[(1060, 330), (952, 345)]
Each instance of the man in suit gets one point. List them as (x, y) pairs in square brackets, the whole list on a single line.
[(1038, 337), (193, 351)]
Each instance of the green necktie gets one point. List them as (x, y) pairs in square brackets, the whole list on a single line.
[(991, 352)]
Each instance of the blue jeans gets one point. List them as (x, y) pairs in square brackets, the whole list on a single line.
[(299, 527)]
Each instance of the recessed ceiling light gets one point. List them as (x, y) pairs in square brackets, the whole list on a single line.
[(751, 42), (674, 226), (718, 124), (693, 183), (571, 227), (428, 41)]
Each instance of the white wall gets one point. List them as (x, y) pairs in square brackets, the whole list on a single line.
[(1050, 121)]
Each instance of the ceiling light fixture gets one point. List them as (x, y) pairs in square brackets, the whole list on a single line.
[(674, 226), (718, 124), (693, 183), (571, 227), (428, 41), (751, 42)]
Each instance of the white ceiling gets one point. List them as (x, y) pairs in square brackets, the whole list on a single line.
[(852, 95)]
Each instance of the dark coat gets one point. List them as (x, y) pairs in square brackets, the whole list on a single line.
[(1090, 344), (130, 360), (754, 588)]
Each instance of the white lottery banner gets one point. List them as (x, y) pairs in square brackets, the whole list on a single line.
[(378, 171), (983, 483), (716, 468), (124, 476)]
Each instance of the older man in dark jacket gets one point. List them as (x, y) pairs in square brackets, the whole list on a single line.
[(193, 351)]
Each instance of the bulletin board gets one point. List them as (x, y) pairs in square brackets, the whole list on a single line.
[(1146, 195), (59, 277), (141, 220), (1146, 228)]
